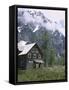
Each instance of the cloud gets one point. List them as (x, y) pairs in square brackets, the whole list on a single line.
[(57, 18), (61, 29), (27, 17)]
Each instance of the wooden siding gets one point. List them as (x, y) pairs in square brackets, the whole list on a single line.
[(34, 53), (27, 61), (22, 62)]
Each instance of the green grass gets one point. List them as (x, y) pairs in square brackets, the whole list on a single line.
[(48, 73)]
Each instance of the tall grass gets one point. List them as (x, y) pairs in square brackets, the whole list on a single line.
[(48, 73)]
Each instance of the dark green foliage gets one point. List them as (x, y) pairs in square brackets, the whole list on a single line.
[(62, 60), (48, 50), (45, 48), (52, 57)]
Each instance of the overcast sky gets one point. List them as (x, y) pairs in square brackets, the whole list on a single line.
[(57, 16)]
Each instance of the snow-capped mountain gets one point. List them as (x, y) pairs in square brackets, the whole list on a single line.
[(32, 26), (38, 18)]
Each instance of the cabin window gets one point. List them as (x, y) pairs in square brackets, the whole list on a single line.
[(39, 56), (34, 55), (29, 55)]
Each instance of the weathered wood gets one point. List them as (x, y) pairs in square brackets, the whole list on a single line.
[(32, 59)]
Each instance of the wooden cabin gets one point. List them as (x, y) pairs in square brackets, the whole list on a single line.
[(30, 57)]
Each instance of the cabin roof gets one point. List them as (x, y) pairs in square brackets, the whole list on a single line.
[(26, 48), (21, 44)]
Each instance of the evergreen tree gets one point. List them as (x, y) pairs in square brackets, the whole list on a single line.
[(52, 57), (46, 48)]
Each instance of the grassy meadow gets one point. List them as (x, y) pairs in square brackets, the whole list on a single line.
[(47, 73)]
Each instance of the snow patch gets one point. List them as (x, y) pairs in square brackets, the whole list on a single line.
[(37, 27), (21, 44), (19, 29)]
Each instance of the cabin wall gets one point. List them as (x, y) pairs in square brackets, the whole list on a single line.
[(22, 62), (34, 54), (29, 64), (27, 61)]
